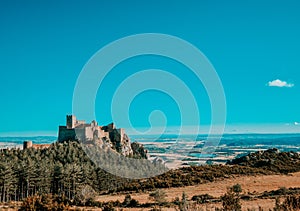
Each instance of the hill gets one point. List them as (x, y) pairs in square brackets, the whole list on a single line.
[(271, 160)]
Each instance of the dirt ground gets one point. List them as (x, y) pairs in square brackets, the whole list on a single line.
[(250, 184)]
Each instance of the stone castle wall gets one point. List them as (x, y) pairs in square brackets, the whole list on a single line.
[(109, 135), (29, 144), (65, 134), (79, 130)]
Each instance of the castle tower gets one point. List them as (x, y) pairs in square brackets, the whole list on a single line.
[(71, 121), (27, 144)]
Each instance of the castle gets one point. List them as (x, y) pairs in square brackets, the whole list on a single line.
[(88, 132), (106, 136), (80, 130)]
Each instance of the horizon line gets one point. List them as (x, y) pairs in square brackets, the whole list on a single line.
[(237, 128)]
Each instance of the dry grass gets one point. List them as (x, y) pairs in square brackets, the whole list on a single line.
[(250, 184)]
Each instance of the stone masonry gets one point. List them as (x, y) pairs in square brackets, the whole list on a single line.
[(109, 135)]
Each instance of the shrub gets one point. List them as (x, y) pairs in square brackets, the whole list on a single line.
[(108, 207), (176, 201), (231, 201), (203, 198), (126, 201), (130, 202), (237, 188), (159, 196), (45, 202), (134, 203), (86, 194), (289, 204)]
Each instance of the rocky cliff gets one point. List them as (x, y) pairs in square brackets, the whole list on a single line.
[(119, 141)]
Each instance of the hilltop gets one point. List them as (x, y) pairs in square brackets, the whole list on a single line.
[(64, 169), (271, 160)]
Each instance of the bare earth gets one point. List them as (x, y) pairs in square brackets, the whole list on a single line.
[(253, 184)]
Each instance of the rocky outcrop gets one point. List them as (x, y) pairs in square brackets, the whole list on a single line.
[(139, 151), (119, 141)]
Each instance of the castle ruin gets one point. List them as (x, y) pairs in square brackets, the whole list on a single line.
[(107, 136), (80, 130), (28, 144)]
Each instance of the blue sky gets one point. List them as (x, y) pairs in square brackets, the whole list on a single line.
[(45, 44)]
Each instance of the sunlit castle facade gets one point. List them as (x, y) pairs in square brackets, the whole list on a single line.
[(80, 130)]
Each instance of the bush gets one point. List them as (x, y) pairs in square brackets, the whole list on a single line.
[(231, 201), (86, 194), (176, 201), (289, 204), (93, 203), (130, 202), (159, 196), (200, 199), (237, 188), (126, 201), (108, 207), (45, 202), (134, 203)]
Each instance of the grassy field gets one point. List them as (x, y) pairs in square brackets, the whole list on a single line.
[(254, 185), (251, 185)]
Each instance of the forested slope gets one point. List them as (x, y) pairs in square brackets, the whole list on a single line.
[(64, 169)]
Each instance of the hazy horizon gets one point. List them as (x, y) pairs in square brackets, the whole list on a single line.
[(279, 128)]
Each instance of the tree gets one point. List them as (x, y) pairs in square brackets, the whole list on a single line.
[(7, 181), (231, 201), (72, 179), (86, 194), (184, 205), (127, 200)]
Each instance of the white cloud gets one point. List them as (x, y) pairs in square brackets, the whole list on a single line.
[(280, 83), (296, 123)]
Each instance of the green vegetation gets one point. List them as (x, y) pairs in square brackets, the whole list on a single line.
[(63, 175), (63, 169), (129, 202), (289, 204), (271, 160), (231, 200), (45, 202), (203, 198)]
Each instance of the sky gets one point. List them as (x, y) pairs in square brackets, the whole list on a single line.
[(44, 45)]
